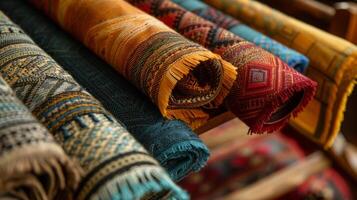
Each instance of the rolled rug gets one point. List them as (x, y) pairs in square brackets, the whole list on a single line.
[(182, 78), (333, 64), (294, 59), (267, 91), (32, 164), (116, 166), (171, 142)]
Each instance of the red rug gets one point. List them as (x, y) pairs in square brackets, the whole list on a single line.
[(267, 91)]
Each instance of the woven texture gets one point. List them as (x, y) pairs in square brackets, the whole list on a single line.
[(235, 165), (266, 91), (294, 59), (171, 142), (32, 165), (327, 184), (180, 77), (333, 64), (115, 164)]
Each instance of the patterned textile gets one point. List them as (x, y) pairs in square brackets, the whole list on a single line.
[(171, 142), (333, 64), (235, 165), (266, 92), (32, 165), (294, 59), (115, 165), (182, 78), (327, 185)]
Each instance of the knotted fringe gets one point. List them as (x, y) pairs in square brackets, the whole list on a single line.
[(260, 124), (177, 71), (192, 156), (42, 170), (23, 188), (140, 182)]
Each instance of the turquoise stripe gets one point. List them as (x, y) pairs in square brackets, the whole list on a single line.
[(245, 32), (191, 5), (59, 104), (66, 114)]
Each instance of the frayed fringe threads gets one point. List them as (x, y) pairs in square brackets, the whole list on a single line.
[(176, 72), (144, 182), (21, 168)]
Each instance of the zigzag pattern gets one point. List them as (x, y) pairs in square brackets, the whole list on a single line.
[(195, 28), (28, 152), (152, 56), (219, 18), (294, 59), (264, 86), (121, 98), (18, 128), (76, 119)]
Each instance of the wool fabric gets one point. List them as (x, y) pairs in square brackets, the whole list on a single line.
[(181, 77), (177, 148), (116, 166), (327, 184), (267, 91), (235, 165), (32, 164), (294, 59), (333, 64)]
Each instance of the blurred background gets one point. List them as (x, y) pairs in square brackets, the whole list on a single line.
[(285, 165)]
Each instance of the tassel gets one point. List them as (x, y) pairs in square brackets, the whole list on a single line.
[(22, 167), (194, 153)]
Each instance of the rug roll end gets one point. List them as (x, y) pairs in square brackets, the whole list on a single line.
[(270, 110), (349, 80), (296, 97), (229, 77), (181, 68), (192, 156), (22, 167)]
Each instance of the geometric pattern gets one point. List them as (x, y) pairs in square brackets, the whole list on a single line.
[(258, 76), (141, 118), (294, 59), (108, 154), (333, 62), (266, 92), (238, 164), (158, 61), (28, 151)]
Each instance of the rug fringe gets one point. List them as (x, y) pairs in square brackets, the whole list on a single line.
[(38, 160), (260, 126), (229, 77), (141, 182), (178, 71), (193, 117), (195, 155)]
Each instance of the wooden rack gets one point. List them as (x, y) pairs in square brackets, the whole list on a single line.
[(285, 180), (339, 19)]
